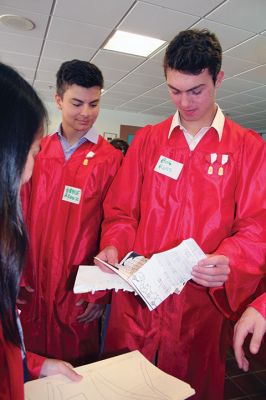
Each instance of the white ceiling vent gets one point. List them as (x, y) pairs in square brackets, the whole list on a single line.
[(17, 22)]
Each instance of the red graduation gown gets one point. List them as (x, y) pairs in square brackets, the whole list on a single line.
[(11, 369), (62, 236), (224, 213)]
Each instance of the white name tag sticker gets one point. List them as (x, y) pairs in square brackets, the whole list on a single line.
[(168, 167), (72, 194)]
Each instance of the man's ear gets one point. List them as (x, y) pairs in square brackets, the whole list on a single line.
[(219, 79), (58, 101)]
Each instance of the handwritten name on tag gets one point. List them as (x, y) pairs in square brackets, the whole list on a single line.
[(72, 194), (168, 167)]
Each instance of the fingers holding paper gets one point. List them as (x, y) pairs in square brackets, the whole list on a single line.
[(212, 271), (54, 367), (108, 254)]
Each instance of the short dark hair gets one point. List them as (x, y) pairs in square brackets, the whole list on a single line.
[(22, 116), (82, 73), (120, 144), (192, 51)]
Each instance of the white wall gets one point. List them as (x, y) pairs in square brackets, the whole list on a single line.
[(108, 120)]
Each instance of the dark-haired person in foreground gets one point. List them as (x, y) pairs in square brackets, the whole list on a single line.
[(214, 191), (63, 206), (21, 128)]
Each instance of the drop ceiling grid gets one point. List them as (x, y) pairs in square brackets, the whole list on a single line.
[(78, 29)]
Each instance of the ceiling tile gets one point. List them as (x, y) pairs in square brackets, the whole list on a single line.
[(238, 85), (233, 113), (77, 33), (223, 93), (226, 104), (20, 44), (159, 56), (241, 99), (233, 66), (50, 64), (158, 112), (48, 76), (260, 106), (19, 60), (245, 109), (45, 86), (43, 7), (27, 73), (40, 21), (131, 107), (128, 88), (112, 74), (121, 95), (144, 81), (257, 75), (151, 68), (96, 12), (253, 50), (45, 95), (199, 7), (260, 92), (244, 14), (150, 100), (155, 21), (227, 35), (112, 59), (111, 101), (161, 91), (66, 51)]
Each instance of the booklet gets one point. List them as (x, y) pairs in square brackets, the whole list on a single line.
[(129, 376), (152, 279)]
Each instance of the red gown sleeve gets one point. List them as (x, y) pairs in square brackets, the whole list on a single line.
[(260, 304), (246, 247)]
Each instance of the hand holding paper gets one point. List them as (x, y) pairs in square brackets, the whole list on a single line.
[(153, 280), (109, 254), (211, 277)]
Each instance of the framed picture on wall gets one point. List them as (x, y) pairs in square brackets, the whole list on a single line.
[(110, 136)]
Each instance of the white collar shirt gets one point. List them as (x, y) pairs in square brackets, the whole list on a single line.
[(193, 140)]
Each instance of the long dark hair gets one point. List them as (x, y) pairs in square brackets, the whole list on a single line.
[(22, 115)]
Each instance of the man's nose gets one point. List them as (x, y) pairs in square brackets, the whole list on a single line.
[(185, 101), (85, 110)]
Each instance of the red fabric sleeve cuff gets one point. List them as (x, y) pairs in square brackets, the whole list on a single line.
[(260, 305), (34, 363)]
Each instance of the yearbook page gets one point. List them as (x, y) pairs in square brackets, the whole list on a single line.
[(129, 376)]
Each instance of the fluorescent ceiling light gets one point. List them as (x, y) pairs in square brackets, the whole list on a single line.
[(132, 43)]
